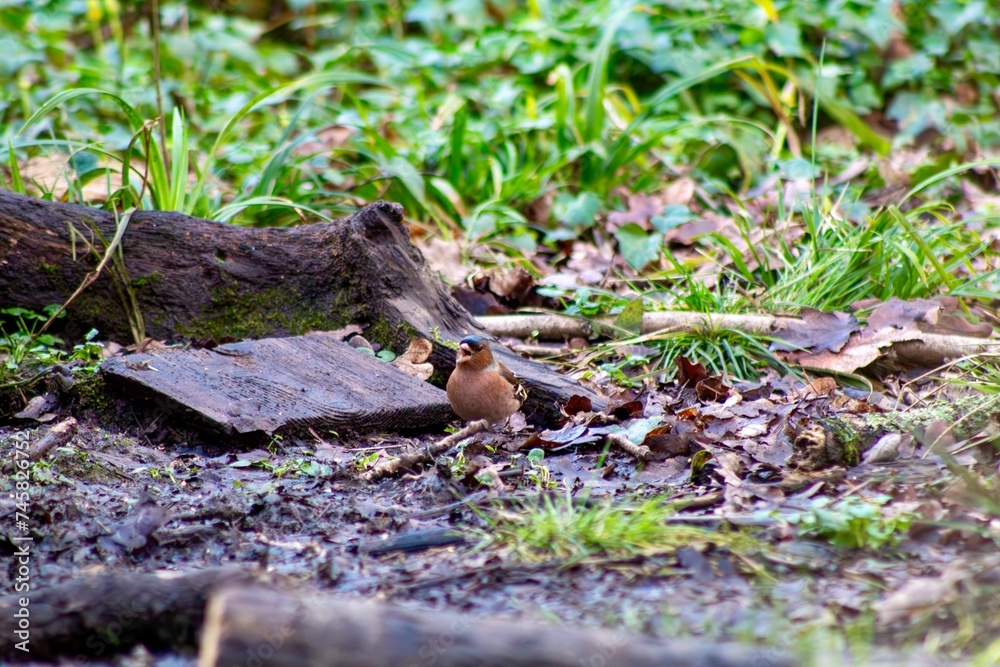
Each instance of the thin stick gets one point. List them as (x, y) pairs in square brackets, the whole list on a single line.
[(620, 440), (389, 467), (57, 436)]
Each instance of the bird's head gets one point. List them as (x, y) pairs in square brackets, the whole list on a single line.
[(474, 350)]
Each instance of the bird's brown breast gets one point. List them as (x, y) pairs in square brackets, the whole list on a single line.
[(477, 395)]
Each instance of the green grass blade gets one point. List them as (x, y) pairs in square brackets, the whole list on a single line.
[(228, 212), (946, 174), (457, 142), (622, 143), (597, 77), (313, 80), (15, 171), (178, 162), (922, 244), (133, 116)]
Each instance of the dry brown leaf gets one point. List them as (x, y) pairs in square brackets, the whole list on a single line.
[(885, 450), (679, 193), (641, 207), (818, 331), (859, 352), (412, 361), (359, 341), (928, 315), (515, 283), (420, 371), (824, 386), (919, 596), (445, 257), (418, 351)]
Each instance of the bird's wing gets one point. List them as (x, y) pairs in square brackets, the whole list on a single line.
[(508, 376), (519, 389)]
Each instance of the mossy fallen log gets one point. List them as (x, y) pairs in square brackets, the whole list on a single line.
[(844, 439), (188, 278)]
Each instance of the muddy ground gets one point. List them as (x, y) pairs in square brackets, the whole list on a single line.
[(136, 489)]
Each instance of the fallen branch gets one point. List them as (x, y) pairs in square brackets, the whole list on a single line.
[(193, 279), (560, 327), (899, 349), (251, 625), (57, 436), (416, 459), (621, 441)]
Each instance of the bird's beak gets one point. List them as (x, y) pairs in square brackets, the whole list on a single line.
[(464, 351)]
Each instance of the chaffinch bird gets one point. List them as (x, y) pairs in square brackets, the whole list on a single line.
[(481, 387)]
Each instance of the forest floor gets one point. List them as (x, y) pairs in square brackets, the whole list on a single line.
[(889, 562)]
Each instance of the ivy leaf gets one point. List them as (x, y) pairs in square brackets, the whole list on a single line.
[(796, 168), (576, 211), (638, 246), (784, 39), (673, 216)]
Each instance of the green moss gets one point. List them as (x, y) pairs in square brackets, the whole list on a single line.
[(847, 438), (79, 465), (391, 335), (255, 314), (44, 267), (92, 306), (152, 279), (92, 393), (969, 415)]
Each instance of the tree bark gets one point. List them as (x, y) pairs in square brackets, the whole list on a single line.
[(196, 279)]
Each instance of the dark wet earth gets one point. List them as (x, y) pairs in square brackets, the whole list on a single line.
[(298, 510)]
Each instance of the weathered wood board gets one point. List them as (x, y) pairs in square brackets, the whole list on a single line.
[(284, 385)]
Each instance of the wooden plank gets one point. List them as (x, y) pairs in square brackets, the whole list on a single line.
[(284, 385)]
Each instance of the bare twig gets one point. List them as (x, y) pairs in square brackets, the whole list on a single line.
[(389, 467), (57, 436), (540, 350), (620, 440), (922, 349)]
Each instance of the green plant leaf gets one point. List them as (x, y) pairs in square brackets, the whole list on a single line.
[(578, 211), (673, 216), (630, 319), (638, 246)]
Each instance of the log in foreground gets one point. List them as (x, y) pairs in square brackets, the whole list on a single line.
[(283, 386), (196, 279), (99, 615), (260, 626)]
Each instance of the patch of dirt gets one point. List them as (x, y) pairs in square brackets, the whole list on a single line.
[(144, 493)]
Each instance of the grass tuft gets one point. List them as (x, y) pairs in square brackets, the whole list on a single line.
[(567, 529)]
